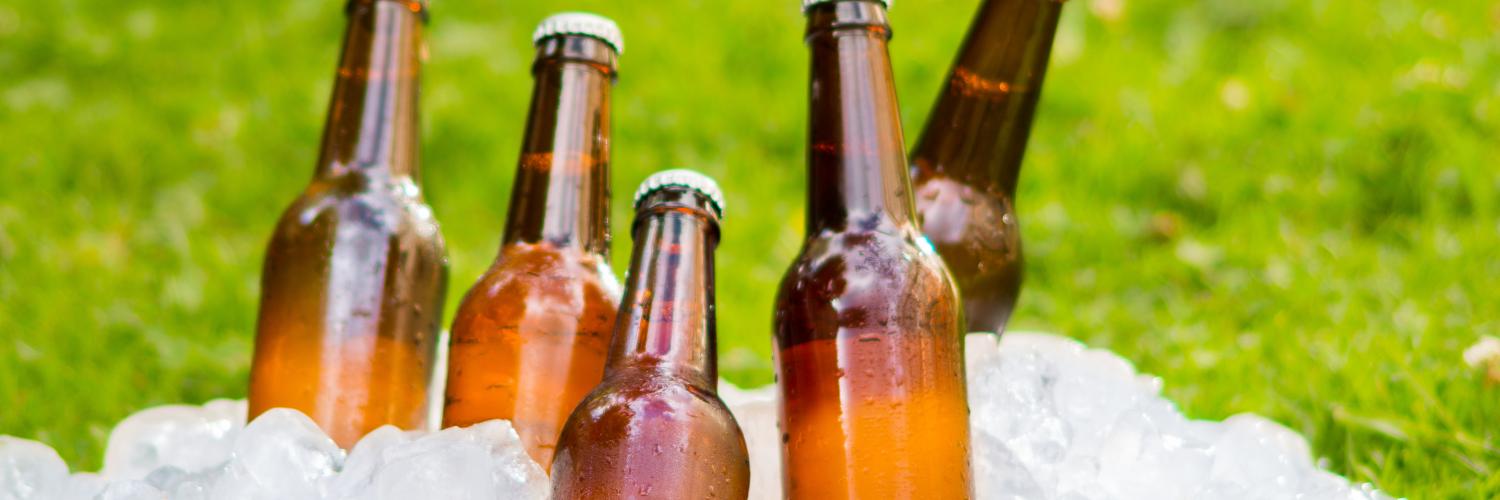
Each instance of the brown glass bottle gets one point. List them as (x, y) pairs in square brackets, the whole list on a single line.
[(530, 339), (869, 349), (965, 165), (655, 427), (352, 290)]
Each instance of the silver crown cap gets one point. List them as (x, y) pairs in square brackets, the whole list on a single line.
[(690, 179), (580, 23), (808, 4)]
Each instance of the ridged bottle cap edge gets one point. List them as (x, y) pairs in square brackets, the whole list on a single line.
[(582, 24), (682, 177)]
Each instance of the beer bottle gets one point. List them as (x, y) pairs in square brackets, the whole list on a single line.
[(655, 427), (869, 351), (965, 165), (352, 290), (531, 336)]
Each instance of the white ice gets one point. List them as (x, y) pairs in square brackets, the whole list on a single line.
[(192, 453), (1050, 419)]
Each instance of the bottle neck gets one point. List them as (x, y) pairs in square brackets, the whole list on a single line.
[(561, 193), (668, 323), (372, 118), (978, 129), (856, 157)]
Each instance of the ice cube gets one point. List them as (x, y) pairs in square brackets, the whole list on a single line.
[(516, 474), (190, 438), (1145, 458), (981, 348), (1324, 484), (998, 475), (133, 489), (443, 465), (483, 461), (356, 480), (1093, 389), (195, 486), (80, 486), (1012, 400), (28, 469), (1076, 478), (756, 412), (165, 477), (1261, 456), (280, 455)]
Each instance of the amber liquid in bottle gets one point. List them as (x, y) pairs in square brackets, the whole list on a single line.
[(965, 166), (352, 290), (869, 349), (655, 427), (531, 337)]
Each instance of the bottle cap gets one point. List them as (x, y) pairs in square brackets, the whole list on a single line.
[(808, 4), (695, 181), (583, 24)]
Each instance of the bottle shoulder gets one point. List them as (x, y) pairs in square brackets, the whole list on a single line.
[(652, 394), (866, 283), (665, 420), (540, 270), (877, 255), (394, 207)]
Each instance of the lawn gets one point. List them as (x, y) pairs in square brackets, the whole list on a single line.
[(1283, 207)]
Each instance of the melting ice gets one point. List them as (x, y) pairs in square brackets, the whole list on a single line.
[(1050, 420)]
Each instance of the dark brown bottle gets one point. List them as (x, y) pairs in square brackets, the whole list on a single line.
[(869, 350), (352, 290), (965, 165), (530, 339), (655, 427)]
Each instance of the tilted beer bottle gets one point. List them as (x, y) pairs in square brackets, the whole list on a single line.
[(531, 336), (965, 165), (869, 351), (352, 291), (655, 427)]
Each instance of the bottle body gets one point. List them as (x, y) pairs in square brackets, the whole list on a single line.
[(530, 340), (868, 331), (655, 427), (351, 304), (531, 337), (354, 279), (965, 165), (870, 366)]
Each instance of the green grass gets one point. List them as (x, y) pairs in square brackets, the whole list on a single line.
[(1283, 207)]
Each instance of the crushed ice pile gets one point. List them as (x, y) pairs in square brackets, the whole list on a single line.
[(1051, 420), (191, 453)]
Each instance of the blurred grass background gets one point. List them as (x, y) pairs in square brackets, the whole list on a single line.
[(1284, 207)]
